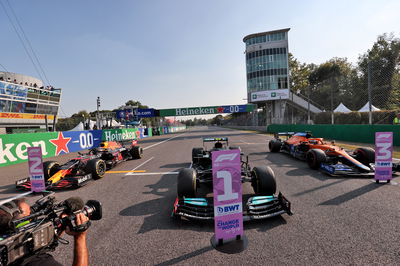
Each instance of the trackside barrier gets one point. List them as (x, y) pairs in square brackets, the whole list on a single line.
[(13, 147), (351, 133)]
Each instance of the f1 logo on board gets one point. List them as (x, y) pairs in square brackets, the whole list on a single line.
[(384, 136), (224, 157)]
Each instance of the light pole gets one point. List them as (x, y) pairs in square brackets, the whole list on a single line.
[(97, 114), (308, 105)]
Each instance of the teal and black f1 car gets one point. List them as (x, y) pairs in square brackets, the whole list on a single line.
[(189, 204)]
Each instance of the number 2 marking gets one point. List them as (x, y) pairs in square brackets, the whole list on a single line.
[(34, 168)]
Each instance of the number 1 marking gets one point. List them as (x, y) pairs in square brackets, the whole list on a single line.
[(228, 193)]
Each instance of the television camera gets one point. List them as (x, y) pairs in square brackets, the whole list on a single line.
[(40, 231)]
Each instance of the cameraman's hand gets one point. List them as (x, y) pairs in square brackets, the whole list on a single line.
[(79, 220)]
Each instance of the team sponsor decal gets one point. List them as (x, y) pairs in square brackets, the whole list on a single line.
[(84, 178), (228, 209), (327, 168)]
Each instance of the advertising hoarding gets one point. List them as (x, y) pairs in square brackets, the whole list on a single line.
[(207, 110), (269, 95)]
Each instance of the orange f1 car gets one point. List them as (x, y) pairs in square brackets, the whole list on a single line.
[(327, 157)]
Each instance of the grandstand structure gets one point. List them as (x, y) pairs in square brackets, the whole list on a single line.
[(268, 85), (26, 105)]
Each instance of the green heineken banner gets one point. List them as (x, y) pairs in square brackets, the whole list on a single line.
[(13, 147), (207, 110), (121, 134)]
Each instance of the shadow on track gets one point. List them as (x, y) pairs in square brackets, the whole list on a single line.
[(186, 256), (9, 189), (318, 188), (158, 211), (351, 194), (176, 165)]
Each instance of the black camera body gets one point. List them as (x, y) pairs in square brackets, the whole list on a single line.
[(39, 232)]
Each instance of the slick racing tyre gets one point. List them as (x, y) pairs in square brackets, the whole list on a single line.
[(315, 157), (136, 152), (274, 145), (96, 167), (187, 183), (365, 155), (263, 181), (50, 168), (197, 152)]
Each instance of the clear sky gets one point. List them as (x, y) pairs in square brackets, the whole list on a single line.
[(177, 53)]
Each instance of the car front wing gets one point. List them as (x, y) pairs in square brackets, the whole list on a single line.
[(256, 208)]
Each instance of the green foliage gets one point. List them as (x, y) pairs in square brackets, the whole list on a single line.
[(378, 117), (299, 73), (80, 114), (338, 81), (384, 61), (64, 124)]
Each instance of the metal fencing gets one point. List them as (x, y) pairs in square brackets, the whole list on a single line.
[(371, 92)]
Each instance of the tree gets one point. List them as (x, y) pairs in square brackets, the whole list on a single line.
[(330, 82), (384, 61), (136, 103), (82, 113), (299, 73)]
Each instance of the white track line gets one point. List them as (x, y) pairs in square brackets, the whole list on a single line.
[(140, 165), (148, 147), (156, 173), (15, 197)]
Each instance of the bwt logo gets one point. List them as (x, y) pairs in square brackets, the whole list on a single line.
[(384, 164), (231, 208), (225, 157), (228, 209)]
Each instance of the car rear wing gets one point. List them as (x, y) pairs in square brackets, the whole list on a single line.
[(215, 139), (285, 133), (290, 134)]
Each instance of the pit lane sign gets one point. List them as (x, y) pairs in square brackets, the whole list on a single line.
[(227, 188), (383, 156), (36, 173)]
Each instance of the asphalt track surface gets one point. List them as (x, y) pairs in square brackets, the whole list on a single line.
[(336, 221)]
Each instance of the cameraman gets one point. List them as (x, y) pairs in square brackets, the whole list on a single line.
[(18, 208)]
